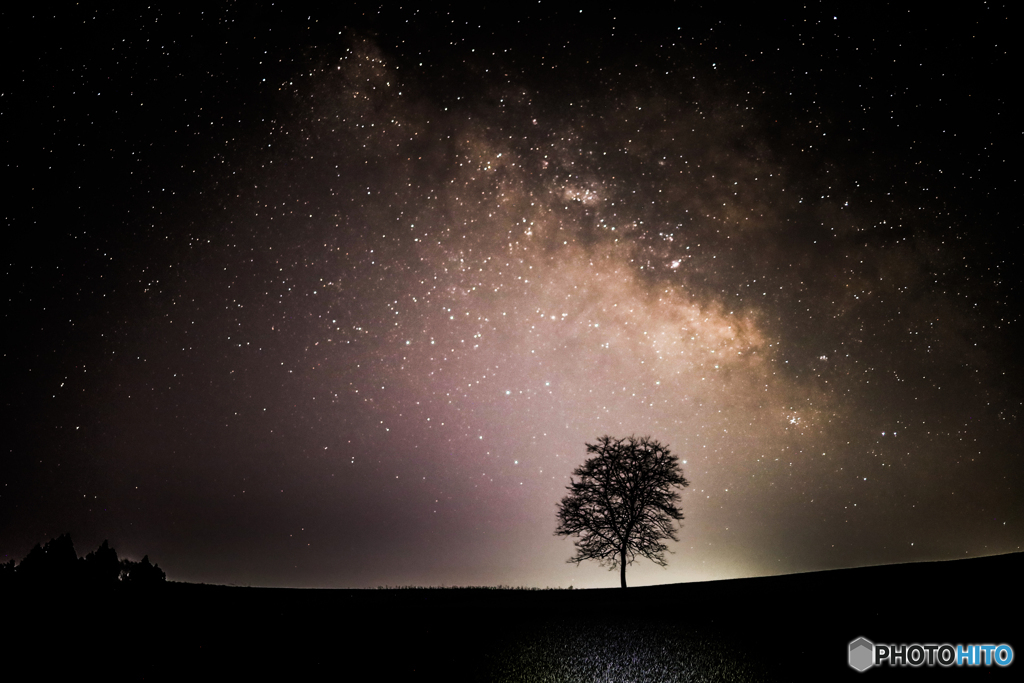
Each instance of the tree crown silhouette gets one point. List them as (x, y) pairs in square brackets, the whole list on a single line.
[(624, 504), (57, 565)]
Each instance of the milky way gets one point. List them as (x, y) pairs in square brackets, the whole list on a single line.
[(368, 338)]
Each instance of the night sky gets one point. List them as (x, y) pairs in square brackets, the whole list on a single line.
[(336, 298)]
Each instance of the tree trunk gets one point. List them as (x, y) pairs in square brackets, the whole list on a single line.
[(622, 566)]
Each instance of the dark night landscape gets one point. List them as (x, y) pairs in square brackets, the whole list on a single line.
[(375, 340)]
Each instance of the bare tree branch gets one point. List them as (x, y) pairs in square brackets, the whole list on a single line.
[(624, 504)]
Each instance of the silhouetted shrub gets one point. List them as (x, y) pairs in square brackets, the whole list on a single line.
[(56, 566), (141, 574), (101, 568)]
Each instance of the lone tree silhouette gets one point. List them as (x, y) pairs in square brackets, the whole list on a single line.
[(624, 503)]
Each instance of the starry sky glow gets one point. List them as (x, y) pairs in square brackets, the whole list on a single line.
[(338, 300)]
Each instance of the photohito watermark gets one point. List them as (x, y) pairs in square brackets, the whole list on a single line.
[(863, 654)]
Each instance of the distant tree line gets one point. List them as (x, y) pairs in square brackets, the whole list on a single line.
[(56, 565)]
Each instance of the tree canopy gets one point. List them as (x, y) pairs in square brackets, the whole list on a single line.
[(57, 565), (624, 503)]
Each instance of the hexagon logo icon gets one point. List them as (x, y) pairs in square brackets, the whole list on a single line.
[(862, 654)]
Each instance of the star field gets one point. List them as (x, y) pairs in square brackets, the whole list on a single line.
[(336, 300)]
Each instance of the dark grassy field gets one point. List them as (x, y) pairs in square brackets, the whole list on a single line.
[(768, 629)]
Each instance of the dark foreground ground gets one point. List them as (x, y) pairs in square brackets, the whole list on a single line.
[(790, 628)]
